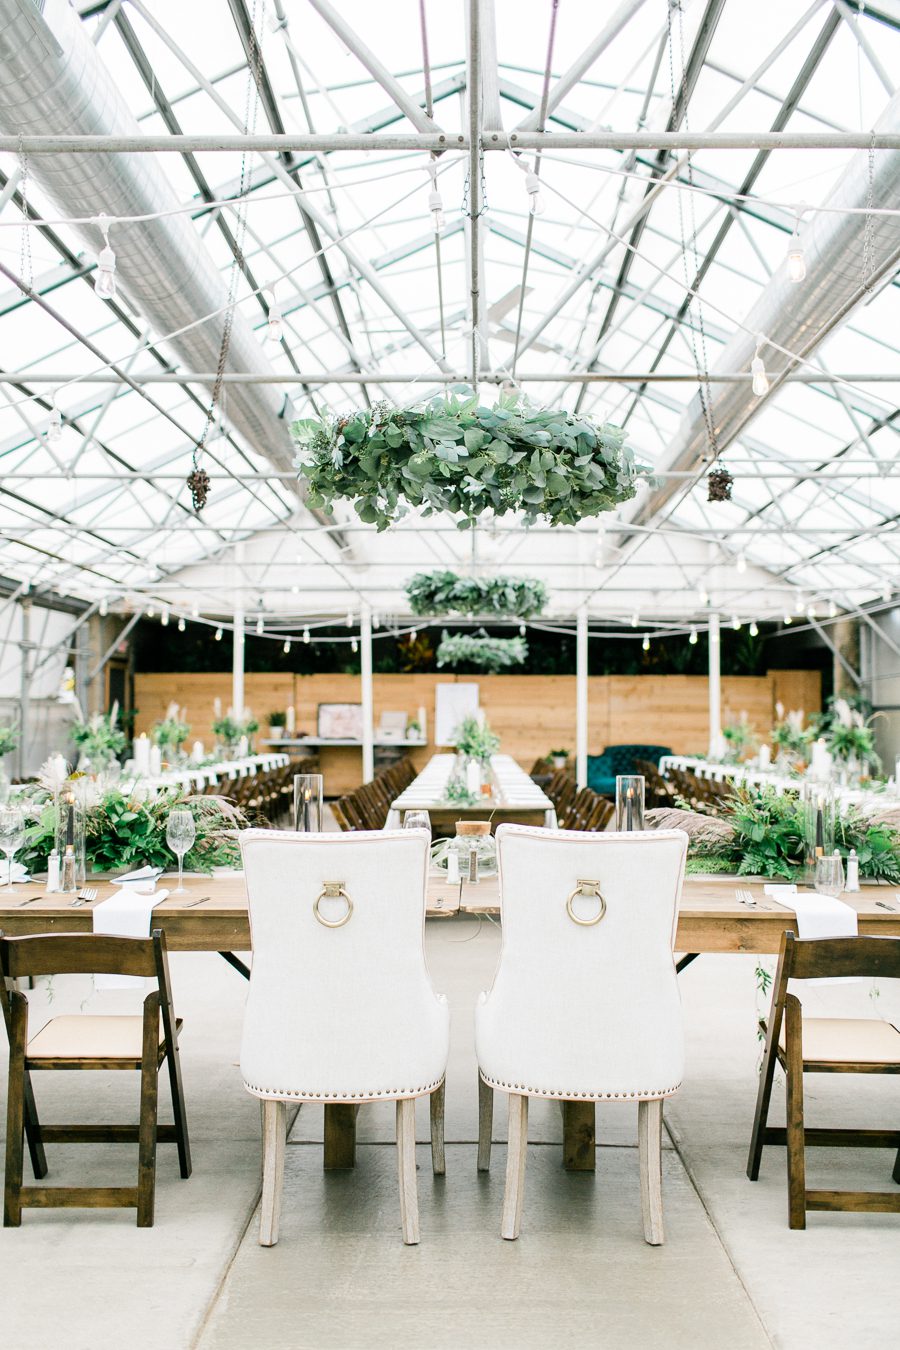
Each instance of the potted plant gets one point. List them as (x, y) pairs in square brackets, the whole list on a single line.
[(559, 758), (414, 730), (277, 724)]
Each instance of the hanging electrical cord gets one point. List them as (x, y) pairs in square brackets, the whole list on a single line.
[(532, 184)]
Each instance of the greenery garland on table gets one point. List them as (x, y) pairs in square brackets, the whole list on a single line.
[(452, 454), (446, 593), (125, 831), (478, 649)]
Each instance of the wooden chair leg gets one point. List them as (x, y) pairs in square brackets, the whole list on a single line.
[(436, 1114), (514, 1193), (796, 1160), (149, 1106), (485, 1124), (763, 1098), (650, 1115), (33, 1131), (15, 1112), (178, 1109), (274, 1138), (406, 1169)]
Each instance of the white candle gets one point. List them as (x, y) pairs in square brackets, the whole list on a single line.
[(473, 777), (291, 721), (423, 724), (765, 756), (243, 747), (141, 752), (452, 867), (155, 764), (197, 754)]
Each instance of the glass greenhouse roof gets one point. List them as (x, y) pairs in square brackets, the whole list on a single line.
[(597, 282)]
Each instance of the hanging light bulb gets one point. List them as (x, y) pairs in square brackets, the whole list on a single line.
[(533, 188), (759, 383), (103, 608), (275, 320), (796, 258), (635, 619), (181, 624), (295, 590), (753, 630), (259, 626), (218, 635), (646, 643), (151, 612), (413, 634), (287, 646), (306, 635), (735, 622), (105, 281), (832, 609), (703, 596), (164, 616), (436, 207), (54, 425), (349, 621), (693, 637), (741, 564), (376, 621), (787, 619), (886, 594), (354, 646), (522, 630), (810, 611), (195, 611)]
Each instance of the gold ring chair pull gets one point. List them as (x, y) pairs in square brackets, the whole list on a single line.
[(590, 888), (333, 890)]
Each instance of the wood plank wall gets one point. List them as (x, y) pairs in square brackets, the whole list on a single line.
[(531, 713)]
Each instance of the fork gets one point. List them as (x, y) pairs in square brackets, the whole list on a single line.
[(84, 897), (746, 898)]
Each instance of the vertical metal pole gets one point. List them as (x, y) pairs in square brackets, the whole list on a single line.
[(237, 663), (25, 684), (581, 696), (715, 688), (365, 661)]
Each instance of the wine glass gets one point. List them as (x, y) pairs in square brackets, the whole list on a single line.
[(180, 835), (12, 835), (830, 875), (417, 820)]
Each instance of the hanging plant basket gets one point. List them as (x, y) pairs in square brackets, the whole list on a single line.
[(453, 454), (478, 649), (719, 483), (431, 593)]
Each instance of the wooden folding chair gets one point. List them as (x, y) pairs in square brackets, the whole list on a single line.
[(139, 1043), (825, 1045)]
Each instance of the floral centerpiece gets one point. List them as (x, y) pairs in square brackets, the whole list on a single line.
[(172, 731), (231, 729), (475, 740), (452, 454), (435, 593), (740, 739), (123, 831), (849, 737), (100, 740), (478, 649), (789, 735)]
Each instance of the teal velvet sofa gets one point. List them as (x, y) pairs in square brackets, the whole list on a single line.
[(618, 759)]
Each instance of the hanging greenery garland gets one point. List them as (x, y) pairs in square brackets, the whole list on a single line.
[(478, 649), (452, 454), (446, 593)]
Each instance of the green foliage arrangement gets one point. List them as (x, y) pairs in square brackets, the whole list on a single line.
[(99, 738), (452, 454), (457, 793), (170, 732), (229, 729), (126, 831), (475, 740), (434, 593), (767, 839), (740, 739), (477, 649), (8, 740)]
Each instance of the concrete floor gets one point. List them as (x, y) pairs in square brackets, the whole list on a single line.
[(731, 1274)]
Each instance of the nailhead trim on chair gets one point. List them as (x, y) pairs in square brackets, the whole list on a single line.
[(281, 1094), (649, 1095)]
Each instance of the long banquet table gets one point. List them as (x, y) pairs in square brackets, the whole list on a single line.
[(212, 917), (514, 796)]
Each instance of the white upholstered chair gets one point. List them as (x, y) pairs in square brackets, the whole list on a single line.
[(340, 1008), (585, 1003)]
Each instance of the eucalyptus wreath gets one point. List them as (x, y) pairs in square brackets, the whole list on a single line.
[(447, 593), (452, 454), (478, 649)]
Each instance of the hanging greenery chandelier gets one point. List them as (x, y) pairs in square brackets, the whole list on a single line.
[(435, 593)]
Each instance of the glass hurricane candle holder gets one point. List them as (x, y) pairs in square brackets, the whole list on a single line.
[(818, 823), (629, 802), (70, 836), (308, 788)]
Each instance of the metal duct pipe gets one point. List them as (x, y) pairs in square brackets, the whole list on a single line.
[(798, 316), (51, 77)]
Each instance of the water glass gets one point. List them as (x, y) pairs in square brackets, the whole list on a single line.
[(180, 835), (417, 820), (12, 835), (829, 875)]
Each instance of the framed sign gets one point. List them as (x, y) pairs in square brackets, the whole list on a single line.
[(452, 703), (340, 722)]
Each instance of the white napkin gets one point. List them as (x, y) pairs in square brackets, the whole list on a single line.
[(144, 878), (18, 872), (124, 915), (822, 916)]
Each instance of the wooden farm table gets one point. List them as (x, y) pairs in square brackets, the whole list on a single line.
[(212, 917)]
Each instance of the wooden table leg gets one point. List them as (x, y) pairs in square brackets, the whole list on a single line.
[(340, 1137), (579, 1138)]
